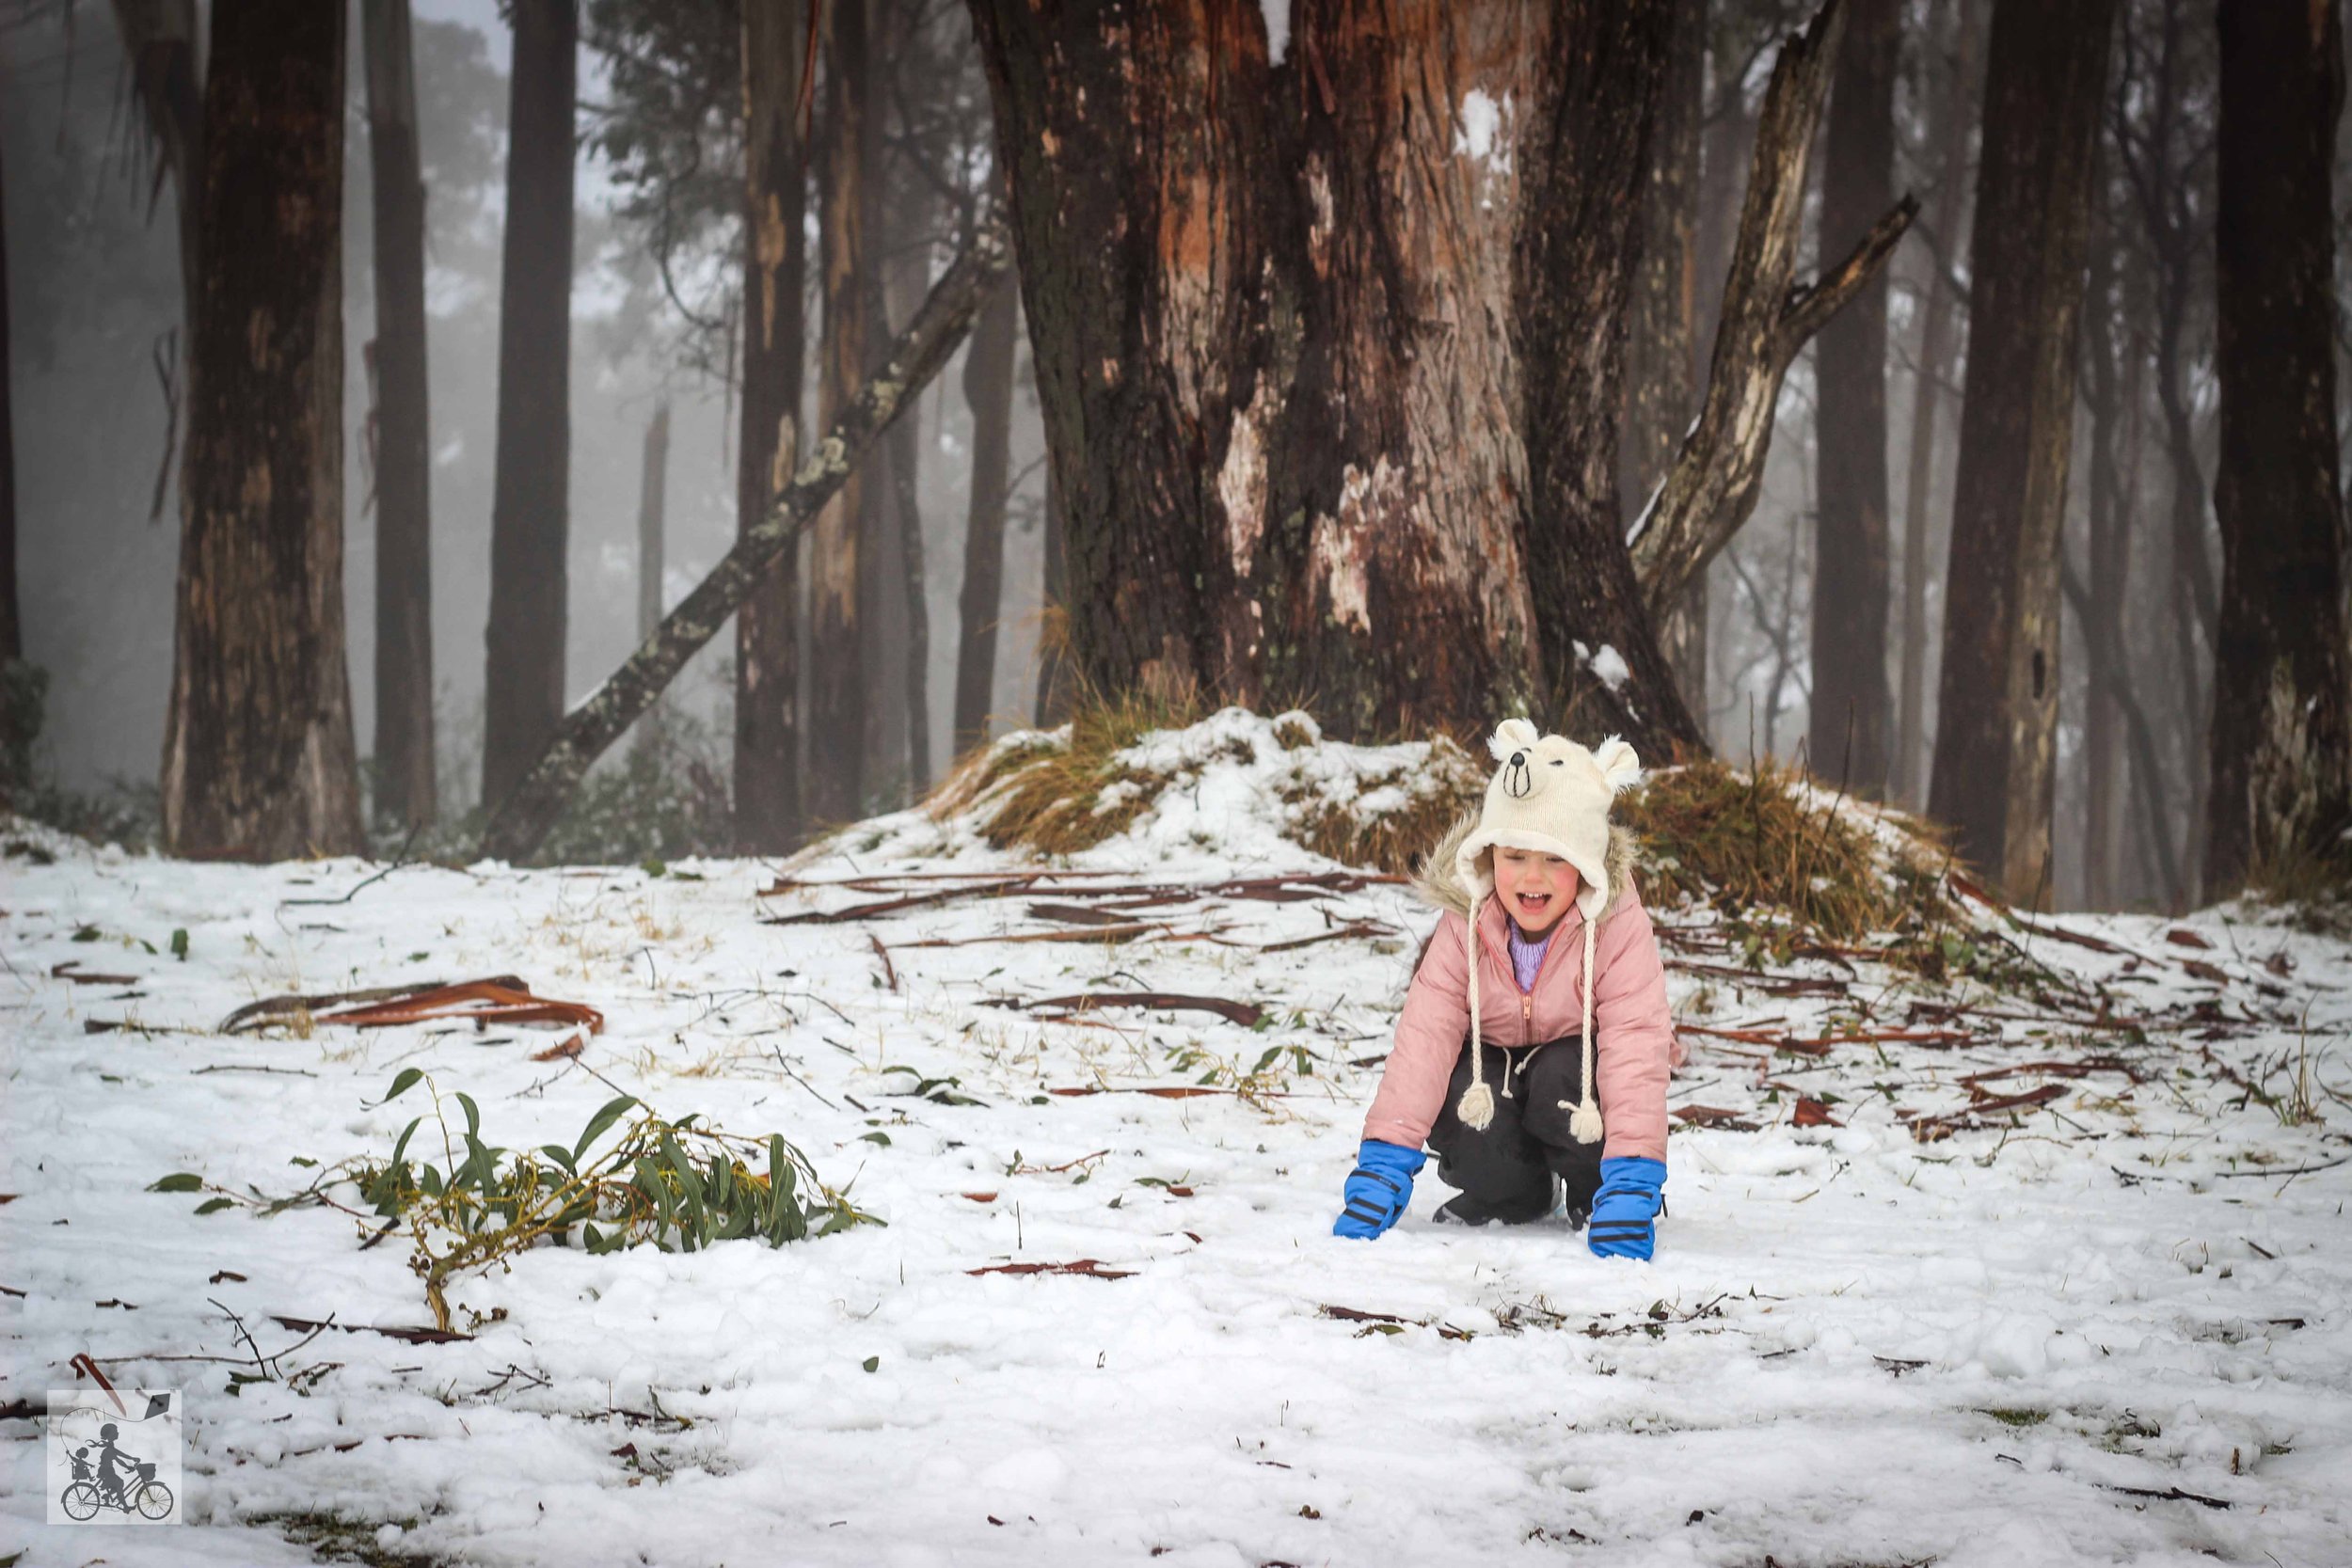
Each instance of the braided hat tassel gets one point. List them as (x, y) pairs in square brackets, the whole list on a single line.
[(1584, 1123)]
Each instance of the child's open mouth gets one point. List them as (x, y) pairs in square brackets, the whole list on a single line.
[(1533, 903)]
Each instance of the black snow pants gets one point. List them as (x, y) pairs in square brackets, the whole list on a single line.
[(1508, 1167)]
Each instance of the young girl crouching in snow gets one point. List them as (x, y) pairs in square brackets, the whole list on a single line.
[(1567, 1076)]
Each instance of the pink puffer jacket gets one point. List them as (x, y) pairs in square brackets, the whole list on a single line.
[(1632, 1025)]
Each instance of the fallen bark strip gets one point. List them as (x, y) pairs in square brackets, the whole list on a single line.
[(520, 822), (1244, 1013), (1773, 985), (1097, 933), (256, 1014), (1931, 1129), (1090, 1268), (406, 1336), (1163, 1091), (71, 969), (2173, 1494), (891, 905), (476, 1001), (2059, 1070)]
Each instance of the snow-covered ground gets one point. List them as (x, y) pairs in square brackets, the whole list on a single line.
[(2109, 1327)]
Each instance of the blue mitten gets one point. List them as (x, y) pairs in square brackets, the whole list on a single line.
[(1376, 1193), (1626, 1208)]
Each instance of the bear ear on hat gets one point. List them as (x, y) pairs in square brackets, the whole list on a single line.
[(1512, 735), (1619, 768)]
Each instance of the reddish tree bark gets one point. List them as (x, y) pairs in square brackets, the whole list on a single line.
[(1996, 721), (257, 754), (767, 672), (405, 790), (1328, 349), (530, 525), (2282, 780), (1850, 706)]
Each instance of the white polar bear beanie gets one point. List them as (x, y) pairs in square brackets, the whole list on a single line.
[(1552, 796)]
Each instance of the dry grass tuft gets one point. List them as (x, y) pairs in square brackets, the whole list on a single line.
[(1060, 793), (1769, 840)]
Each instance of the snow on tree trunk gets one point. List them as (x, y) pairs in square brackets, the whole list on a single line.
[(2282, 781), (1997, 711), (523, 687), (767, 675), (258, 752)]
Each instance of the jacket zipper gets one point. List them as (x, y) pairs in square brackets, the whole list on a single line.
[(1527, 996)]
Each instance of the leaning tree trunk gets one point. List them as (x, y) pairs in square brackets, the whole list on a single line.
[(1996, 720), (1767, 318), (403, 463), (257, 754), (2282, 781), (11, 622), (767, 673), (1662, 327), (1328, 348), (1851, 715), (523, 690), (903, 463), (522, 821), (987, 371)]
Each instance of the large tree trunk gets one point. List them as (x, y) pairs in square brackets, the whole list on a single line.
[(1850, 706), (2281, 773), (521, 822), (258, 753), (12, 622), (988, 370), (767, 675), (838, 698), (403, 459), (1947, 130), (1057, 688), (1997, 721), (2112, 393), (523, 695), (1328, 348), (1663, 329)]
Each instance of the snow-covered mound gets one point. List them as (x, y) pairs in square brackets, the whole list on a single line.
[(2048, 1272)]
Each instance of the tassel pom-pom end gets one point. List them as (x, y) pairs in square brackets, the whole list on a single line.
[(1584, 1125), (1477, 1107)]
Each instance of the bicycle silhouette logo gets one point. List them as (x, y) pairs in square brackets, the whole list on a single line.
[(114, 1456)]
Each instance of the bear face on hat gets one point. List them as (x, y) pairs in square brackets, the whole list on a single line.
[(1550, 795)]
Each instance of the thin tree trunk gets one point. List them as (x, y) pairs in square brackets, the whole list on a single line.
[(1328, 348), (258, 752), (653, 485), (2281, 769), (523, 689), (1662, 348), (1055, 686), (838, 698), (2110, 517), (518, 826), (1997, 718), (903, 451), (1949, 130), (404, 779), (767, 629), (12, 622), (1852, 714), (987, 369)]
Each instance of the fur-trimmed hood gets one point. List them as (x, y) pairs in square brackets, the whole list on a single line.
[(1439, 887)]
